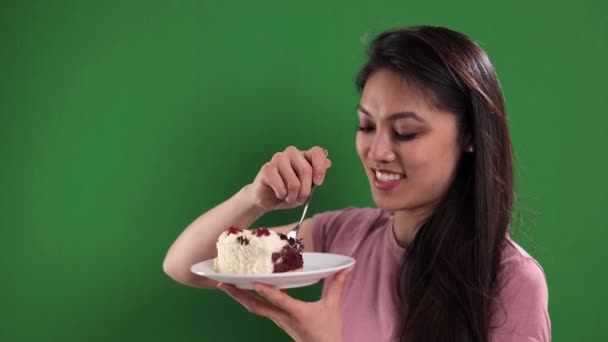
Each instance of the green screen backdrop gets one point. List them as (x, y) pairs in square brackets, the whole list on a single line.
[(121, 121)]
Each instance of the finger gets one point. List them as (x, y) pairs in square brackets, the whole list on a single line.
[(318, 158), (334, 294), (272, 178), (279, 298), (289, 178), (253, 303), (304, 171)]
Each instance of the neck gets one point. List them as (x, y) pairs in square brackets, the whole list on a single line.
[(407, 223)]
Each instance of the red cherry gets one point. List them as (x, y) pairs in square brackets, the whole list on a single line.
[(261, 232), (234, 230)]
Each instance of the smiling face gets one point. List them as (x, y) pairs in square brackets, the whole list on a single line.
[(408, 147)]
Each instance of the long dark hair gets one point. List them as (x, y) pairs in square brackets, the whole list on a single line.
[(448, 279)]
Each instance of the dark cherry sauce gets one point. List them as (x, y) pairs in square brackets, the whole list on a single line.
[(234, 230), (261, 232)]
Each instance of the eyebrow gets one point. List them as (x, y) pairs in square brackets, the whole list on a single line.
[(395, 116)]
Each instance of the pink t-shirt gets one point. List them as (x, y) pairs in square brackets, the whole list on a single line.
[(370, 304)]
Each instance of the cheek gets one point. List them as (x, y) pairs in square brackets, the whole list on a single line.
[(361, 146), (431, 176), (434, 163)]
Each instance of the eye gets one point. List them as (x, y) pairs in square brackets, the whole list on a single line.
[(365, 129), (405, 137)]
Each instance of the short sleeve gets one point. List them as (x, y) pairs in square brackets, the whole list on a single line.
[(324, 229), (345, 230), (522, 314)]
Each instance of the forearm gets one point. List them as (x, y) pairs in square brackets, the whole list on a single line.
[(197, 242)]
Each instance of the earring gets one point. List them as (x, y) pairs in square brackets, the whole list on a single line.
[(470, 148)]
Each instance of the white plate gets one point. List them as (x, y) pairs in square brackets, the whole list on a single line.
[(316, 267)]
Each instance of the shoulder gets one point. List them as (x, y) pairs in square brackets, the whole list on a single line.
[(350, 215), (522, 305), (520, 270)]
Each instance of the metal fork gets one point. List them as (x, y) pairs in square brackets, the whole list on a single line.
[(294, 231)]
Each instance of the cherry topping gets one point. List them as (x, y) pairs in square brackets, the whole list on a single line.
[(261, 232), (234, 230)]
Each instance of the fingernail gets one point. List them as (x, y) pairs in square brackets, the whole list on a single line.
[(318, 179)]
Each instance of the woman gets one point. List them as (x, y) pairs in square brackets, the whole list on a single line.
[(434, 260)]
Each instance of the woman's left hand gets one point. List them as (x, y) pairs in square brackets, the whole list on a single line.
[(317, 321)]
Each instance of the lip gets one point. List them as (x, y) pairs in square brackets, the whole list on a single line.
[(387, 171), (386, 186)]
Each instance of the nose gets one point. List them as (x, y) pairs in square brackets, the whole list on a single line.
[(382, 149)]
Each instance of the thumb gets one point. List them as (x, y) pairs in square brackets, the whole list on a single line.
[(334, 294)]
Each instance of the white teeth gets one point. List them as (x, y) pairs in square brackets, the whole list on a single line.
[(387, 177)]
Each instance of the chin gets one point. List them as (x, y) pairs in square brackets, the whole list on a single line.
[(390, 205), (394, 202)]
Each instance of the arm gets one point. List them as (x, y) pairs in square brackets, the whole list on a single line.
[(197, 242), (522, 313), (284, 182)]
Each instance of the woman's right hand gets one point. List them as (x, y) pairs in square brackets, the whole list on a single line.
[(287, 179)]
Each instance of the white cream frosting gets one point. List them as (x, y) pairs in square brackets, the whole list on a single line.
[(255, 257)]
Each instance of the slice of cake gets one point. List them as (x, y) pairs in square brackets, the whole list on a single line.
[(257, 251)]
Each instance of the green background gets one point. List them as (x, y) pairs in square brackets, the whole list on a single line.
[(122, 121)]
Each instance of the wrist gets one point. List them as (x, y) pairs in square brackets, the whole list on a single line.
[(249, 207)]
